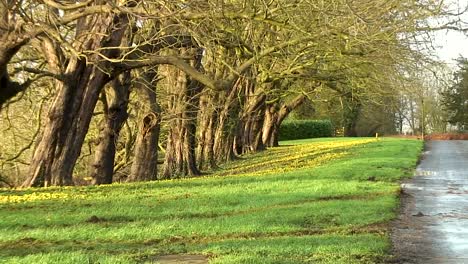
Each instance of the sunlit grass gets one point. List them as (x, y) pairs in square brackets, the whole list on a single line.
[(291, 157), (328, 204)]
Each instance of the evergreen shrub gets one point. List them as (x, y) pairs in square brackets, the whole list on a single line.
[(300, 129)]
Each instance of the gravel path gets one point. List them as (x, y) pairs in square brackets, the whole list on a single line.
[(433, 225)]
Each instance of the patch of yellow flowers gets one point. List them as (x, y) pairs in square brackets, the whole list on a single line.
[(278, 160), (38, 196), (295, 157)]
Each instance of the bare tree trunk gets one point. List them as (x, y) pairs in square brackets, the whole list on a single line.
[(69, 117), (145, 161), (270, 129), (205, 132), (180, 157), (219, 112), (115, 109), (274, 117), (227, 124), (249, 137), (351, 119), (226, 107)]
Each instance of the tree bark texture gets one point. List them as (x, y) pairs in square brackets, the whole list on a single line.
[(68, 120), (115, 115), (228, 123), (274, 116), (183, 105), (145, 161), (205, 132), (218, 118), (249, 136)]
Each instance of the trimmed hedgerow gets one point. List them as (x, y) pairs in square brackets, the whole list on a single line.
[(300, 129)]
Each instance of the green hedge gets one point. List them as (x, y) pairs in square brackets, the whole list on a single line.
[(299, 129)]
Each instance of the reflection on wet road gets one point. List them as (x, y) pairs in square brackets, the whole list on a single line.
[(434, 225)]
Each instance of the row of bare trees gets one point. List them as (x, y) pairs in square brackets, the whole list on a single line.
[(203, 80)]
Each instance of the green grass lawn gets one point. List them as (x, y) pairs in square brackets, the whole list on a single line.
[(308, 201)]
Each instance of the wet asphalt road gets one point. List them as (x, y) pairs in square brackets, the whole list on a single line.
[(433, 226)]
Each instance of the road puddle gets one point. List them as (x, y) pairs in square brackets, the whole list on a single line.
[(433, 227)]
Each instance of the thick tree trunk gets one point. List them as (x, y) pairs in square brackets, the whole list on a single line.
[(213, 110), (224, 135), (180, 157), (59, 120), (249, 136), (145, 161), (270, 128), (219, 111), (205, 132), (55, 156), (115, 109), (69, 117), (274, 117), (227, 124), (351, 119)]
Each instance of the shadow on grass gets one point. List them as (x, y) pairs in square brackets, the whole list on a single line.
[(306, 215), (295, 247)]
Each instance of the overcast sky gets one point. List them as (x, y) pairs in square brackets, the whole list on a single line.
[(451, 45)]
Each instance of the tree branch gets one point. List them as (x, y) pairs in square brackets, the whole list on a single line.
[(170, 60)]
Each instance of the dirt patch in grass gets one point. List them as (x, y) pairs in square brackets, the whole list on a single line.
[(94, 219), (366, 196), (374, 228), (114, 219)]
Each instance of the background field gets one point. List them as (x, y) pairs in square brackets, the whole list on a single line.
[(317, 201)]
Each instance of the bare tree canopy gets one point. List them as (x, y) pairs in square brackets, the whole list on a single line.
[(198, 82)]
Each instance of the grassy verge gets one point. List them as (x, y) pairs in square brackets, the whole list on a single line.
[(309, 201)]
